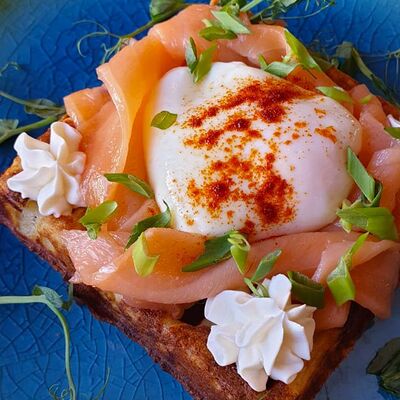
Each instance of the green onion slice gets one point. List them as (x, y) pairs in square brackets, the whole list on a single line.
[(164, 120), (335, 93), (161, 220), (230, 22), (299, 50), (191, 55), (258, 289), (394, 132), (211, 33), (216, 250), (144, 264), (239, 250), (266, 264), (339, 280), (95, 217), (204, 64), (361, 177), (377, 220), (306, 290), (132, 183), (366, 99)]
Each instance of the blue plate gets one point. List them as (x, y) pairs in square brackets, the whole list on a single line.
[(41, 36)]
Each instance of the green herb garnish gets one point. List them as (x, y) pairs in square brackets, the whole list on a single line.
[(164, 120), (143, 263), (335, 93), (306, 290), (361, 177), (376, 220), (394, 132), (263, 269), (239, 250), (386, 365), (366, 99), (281, 69), (160, 10), (213, 32), (339, 280), (215, 250), (43, 108), (230, 22), (55, 303), (95, 217), (132, 183), (199, 66), (161, 220), (300, 52)]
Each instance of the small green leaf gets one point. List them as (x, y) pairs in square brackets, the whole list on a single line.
[(216, 250), (300, 52), (339, 280), (211, 33), (394, 132), (132, 183), (161, 220), (203, 64), (386, 365), (306, 290), (7, 125), (335, 93), (144, 264), (160, 10), (281, 69), (230, 22), (266, 264), (263, 62), (366, 99), (361, 177), (377, 220), (164, 120), (51, 295), (239, 250), (191, 55), (95, 217), (43, 108)]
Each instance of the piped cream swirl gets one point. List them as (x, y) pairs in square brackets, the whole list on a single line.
[(51, 171)]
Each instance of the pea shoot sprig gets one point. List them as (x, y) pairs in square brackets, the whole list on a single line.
[(46, 109), (55, 302)]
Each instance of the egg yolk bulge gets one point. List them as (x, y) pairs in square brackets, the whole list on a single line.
[(248, 151)]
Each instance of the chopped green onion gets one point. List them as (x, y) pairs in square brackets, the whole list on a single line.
[(335, 93), (191, 55), (281, 69), (216, 250), (95, 217), (339, 280), (230, 22), (203, 64), (394, 132), (144, 264), (299, 50), (161, 220), (132, 183), (164, 120), (258, 289), (240, 250), (377, 220), (266, 264), (263, 62), (306, 290), (366, 99), (250, 5), (216, 32), (361, 177)]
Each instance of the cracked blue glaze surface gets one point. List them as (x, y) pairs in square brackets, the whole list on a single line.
[(41, 35)]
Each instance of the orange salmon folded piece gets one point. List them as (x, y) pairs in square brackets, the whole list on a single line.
[(169, 285)]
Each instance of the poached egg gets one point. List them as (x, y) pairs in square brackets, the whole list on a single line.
[(249, 151)]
